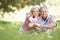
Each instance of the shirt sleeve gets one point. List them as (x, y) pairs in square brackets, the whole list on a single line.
[(30, 19), (53, 19)]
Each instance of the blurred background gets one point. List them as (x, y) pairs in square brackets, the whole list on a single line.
[(13, 14), (16, 10)]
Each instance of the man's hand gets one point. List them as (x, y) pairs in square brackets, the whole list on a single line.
[(40, 26)]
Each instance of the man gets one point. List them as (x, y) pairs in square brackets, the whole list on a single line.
[(45, 21)]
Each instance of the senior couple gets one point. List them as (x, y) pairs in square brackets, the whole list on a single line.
[(40, 20)]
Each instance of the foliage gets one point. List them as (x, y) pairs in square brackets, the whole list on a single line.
[(7, 5)]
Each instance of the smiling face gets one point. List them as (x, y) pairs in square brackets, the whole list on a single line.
[(44, 12), (35, 12)]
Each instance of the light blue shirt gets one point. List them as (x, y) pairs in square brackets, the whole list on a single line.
[(46, 22)]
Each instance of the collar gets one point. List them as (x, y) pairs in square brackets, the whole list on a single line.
[(46, 18)]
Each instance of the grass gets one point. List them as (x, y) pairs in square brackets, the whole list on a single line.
[(9, 31)]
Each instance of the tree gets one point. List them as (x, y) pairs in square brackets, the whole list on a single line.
[(7, 5)]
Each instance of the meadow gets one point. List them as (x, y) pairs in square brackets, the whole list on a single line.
[(10, 31)]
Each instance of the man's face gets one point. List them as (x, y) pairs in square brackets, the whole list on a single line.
[(44, 12)]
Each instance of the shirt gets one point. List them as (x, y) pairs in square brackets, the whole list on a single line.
[(45, 22), (33, 20), (25, 24), (27, 21)]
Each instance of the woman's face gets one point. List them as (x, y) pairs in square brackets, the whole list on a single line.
[(35, 12)]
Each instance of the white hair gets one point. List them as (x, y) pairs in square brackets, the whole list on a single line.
[(35, 6)]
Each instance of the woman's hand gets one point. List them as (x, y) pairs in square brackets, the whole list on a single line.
[(38, 25), (31, 25)]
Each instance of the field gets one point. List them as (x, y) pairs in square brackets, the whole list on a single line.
[(10, 31)]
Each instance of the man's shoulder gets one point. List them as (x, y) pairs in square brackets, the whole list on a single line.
[(52, 16)]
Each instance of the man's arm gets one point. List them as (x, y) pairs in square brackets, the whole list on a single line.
[(51, 25)]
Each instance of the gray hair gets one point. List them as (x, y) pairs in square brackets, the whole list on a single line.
[(33, 7), (43, 7)]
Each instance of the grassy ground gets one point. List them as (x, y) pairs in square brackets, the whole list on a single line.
[(9, 31)]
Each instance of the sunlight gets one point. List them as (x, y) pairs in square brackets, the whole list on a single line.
[(18, 15)]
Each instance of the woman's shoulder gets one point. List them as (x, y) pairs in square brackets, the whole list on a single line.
[(29, 16)]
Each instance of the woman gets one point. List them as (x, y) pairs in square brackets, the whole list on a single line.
[(33, 18)]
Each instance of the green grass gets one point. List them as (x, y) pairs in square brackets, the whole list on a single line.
[(9, 31)]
